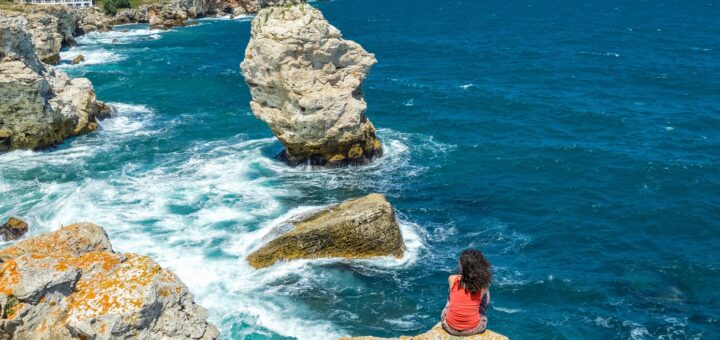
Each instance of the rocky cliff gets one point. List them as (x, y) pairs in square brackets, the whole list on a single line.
[(55, 26), (306, 84), (358, 228), (70, 284), (39, 106), (176, 12)]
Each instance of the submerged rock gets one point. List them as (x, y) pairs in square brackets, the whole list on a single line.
[(437, 333), (13, 229), (69, 284), (39, 106), (78, 59), (306, 84), (358, 228)]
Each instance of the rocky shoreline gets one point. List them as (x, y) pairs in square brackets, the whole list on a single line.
[(39, 106)]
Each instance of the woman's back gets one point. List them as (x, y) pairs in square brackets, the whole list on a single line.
[(465, 309)]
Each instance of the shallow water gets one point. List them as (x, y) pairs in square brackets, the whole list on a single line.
[(577, 145)]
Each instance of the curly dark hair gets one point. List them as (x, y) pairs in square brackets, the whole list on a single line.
[(475, 270)]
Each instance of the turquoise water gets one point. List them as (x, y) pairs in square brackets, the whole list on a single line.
[(576, 144)]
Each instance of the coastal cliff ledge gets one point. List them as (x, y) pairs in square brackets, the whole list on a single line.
[(437, 333)]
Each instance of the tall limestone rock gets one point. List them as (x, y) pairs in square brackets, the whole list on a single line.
[(306, 84), (39, 106)]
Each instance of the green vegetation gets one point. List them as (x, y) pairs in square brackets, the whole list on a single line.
[(12, 301), (111, 6)]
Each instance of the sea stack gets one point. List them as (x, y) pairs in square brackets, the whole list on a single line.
[(306, 84), (358, 228), (39, 106)]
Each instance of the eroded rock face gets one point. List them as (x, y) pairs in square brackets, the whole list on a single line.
[(131, 15), (176, 12), (306, 84), (69, 284), (39, 106), (91, 20), (13, 229), (437, 333), (358, 228)]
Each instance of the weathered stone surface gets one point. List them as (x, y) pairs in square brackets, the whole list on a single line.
[(13, 229), (437, 333), (306, 84), (53, 26), (358, 228), (69, 284), (91, 20), (39, 106), (131, 15), (72, 240)]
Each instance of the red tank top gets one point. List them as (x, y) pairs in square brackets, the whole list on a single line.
[(464, 309)]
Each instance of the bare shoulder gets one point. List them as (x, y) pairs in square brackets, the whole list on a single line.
[(452, 279)]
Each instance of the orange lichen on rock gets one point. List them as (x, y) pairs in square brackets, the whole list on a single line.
[(87, 260), (9, 277), (70, 284), (120, 291), (72, 240)]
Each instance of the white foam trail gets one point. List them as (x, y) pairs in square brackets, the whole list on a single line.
[(92, 57), (120, 36)]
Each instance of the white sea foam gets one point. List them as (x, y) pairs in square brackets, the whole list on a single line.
[(467, 86), (121, 36), (92, 57), (507, 310)]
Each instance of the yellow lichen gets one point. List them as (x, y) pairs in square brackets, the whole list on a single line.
[(9, 277)]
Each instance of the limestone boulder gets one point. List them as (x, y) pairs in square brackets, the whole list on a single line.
[(306, 84), (78, 59), (358, 228), (13, 229), (69, 284)]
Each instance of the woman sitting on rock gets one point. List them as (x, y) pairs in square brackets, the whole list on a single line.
[(469, 296)]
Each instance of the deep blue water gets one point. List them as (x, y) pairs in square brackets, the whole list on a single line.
[(577, 144)]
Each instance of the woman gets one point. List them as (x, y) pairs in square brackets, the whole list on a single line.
[(469, 296)]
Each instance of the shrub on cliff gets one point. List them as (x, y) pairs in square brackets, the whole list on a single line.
[(111, 6)]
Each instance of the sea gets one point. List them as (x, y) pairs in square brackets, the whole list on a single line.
[(575, 143)]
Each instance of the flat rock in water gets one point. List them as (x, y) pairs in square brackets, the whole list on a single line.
[(359, 228)]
